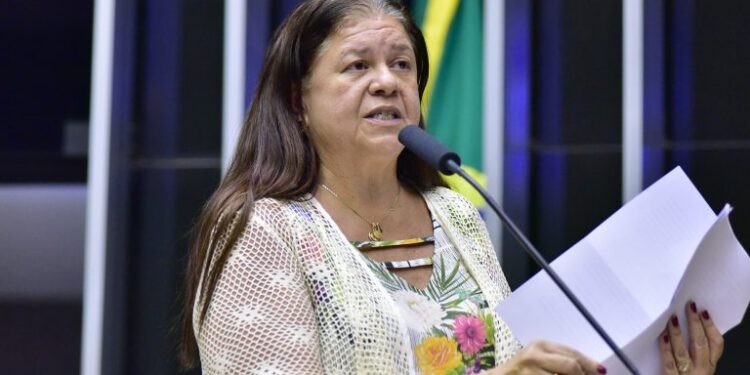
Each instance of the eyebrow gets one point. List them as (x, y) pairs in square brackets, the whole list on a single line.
[(401, 47)]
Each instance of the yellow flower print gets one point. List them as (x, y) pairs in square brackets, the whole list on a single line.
[(438, 355)]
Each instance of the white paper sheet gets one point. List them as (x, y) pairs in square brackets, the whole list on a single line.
[(644, 263)]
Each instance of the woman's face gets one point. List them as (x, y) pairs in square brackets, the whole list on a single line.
[(362, 89)]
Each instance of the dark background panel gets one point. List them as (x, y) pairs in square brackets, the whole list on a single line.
[(517, 118), (41, 168), (45, 70), (166, 140), (548, 209), (45, 55), (179, 79), (40, 337), (735, 359), (576, 120), (577, 72), (166, 202), (592, 72), (721, 78), (594, 191), (574, 192), (718, 175), (202, 82)]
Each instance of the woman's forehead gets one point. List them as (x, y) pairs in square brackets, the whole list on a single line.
[(383, 30)]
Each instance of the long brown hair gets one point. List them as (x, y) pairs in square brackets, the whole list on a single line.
[(274, 157)]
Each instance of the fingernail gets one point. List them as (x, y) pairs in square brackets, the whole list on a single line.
[(665, 338), (600, 369), (705, 315), (675, 323), (692, 307)]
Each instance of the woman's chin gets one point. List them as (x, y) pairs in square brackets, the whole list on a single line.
[(393, 149), (384, 147)]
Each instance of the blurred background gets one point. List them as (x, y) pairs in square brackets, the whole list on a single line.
[(117, 116)]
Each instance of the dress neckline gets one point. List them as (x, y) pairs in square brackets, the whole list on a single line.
[(389, 265)]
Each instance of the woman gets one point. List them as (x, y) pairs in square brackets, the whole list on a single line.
[(328, 248)]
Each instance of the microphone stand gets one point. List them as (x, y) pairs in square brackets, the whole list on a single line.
[(454, 167)]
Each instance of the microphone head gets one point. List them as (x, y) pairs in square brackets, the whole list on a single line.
[(429, 149)]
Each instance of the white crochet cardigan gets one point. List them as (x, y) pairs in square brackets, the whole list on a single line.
[(296, 298)]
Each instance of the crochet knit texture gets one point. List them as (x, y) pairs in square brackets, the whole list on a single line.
[(296, 298)]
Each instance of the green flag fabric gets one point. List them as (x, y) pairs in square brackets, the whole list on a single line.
[(452, 103)]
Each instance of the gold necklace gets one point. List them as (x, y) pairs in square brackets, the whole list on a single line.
[(376, 231)]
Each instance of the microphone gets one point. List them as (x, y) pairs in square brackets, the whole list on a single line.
[(429, 149), (448, 162)]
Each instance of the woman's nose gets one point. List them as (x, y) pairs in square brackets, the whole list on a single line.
[(384, 82)]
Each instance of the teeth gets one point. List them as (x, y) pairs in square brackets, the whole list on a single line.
[(384, 116)]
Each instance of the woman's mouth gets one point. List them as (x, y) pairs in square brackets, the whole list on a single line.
[(385, 116)]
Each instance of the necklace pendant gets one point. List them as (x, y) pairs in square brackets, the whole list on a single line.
[(376, 232)]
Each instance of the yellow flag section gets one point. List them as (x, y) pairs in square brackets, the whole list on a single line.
[(452, 102), (437, 22)]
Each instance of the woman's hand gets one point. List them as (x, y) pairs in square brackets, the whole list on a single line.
[(706, 345), (544, 357)]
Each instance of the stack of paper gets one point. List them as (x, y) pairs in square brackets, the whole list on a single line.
[(661, 249)]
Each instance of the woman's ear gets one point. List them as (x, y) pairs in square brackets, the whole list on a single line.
[(298, 106)]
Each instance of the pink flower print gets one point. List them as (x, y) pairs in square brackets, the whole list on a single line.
[(470, 333)]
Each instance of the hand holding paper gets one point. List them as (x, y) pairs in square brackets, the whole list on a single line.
[(637, 268)]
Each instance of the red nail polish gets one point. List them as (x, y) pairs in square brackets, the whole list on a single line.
[(600, 369), (675, 323), (692, 307), (666, 338), (705, 315)]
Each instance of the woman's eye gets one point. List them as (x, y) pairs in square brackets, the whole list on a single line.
[(359, 65), (403, 64)]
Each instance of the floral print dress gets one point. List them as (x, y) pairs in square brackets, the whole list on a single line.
[(449, 321)]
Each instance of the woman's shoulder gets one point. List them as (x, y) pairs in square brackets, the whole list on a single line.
[(454, 207), (276, 205), (440, 190), (281, 213), (270, 219), (269, 206), (444, 196)]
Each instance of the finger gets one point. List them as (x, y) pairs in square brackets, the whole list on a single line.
[(558, 363), (715, 340), (699, 350), (679, 350), (588, 365), (669, 367), (535, 359)]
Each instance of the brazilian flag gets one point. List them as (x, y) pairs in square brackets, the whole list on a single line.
[(452, 102)]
